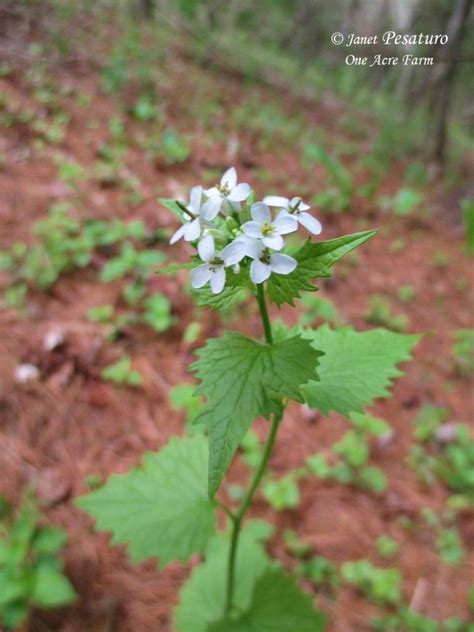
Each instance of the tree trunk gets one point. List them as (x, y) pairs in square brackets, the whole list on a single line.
[(443, 87), (147, 8)]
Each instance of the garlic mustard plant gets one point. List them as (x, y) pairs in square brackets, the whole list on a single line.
[(167, 507)]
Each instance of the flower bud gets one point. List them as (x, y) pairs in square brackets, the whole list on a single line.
[(219, 236), (232, 225)]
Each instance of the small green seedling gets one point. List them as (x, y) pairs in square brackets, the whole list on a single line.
[(282, 493), (338, 196), (131, 260), (463, 351), (353, 453), (387, 546), (319, 309), (416, 174), (451, 459), (428, 421), (379, 585), (380, 313), (157, 312), (447, 542), (406, 201), (449, 546), (182, 397), (321, 571), (101, 314), (251, 448), (406, 293), (406, 620), (64, 244), (467, 207), (192, 333), (121, 372), (295, 545), (145, 109), (30, 568)]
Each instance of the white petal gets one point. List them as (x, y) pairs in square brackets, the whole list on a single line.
[(211, 208), (195, 200), (276, 200), (178, 234), (260, 213), (200, 275), (217, 280), (239, 193), (310, 223), (253, 229), (285, 223), (206, 248), (192, 230), (298, 203), (235, 206), (259, 271), (234, 253), (282, 264), (213, 192), (274, 241), (253, 247), (227, 207), (229, 178)]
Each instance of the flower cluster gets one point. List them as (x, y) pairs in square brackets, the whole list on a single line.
[(230, 231)]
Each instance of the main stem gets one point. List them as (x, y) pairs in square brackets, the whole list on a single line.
[(264, 314), (267, 450)]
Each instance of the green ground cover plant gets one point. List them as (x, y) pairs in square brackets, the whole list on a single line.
[(30, 567)]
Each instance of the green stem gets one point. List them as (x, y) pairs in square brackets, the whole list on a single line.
[(247, 501), (264, 313), (238, 517)]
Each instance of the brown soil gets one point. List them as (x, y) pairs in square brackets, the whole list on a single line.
[(70, 424)]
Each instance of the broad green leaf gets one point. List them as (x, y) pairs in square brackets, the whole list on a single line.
[(202, 598), (278, 605), (162, 508), (228, 298), (356, 368), (243, 379), (315, 260), (51, 589)]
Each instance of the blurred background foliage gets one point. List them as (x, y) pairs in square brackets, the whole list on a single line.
[(286, 43)]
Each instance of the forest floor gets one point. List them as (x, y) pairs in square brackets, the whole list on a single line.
[(68, 424)]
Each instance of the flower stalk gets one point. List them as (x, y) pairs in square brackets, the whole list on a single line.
[(237, 518)]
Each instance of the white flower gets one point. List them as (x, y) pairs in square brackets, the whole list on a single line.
[(270, 232), (212, 270), (225, 194), (296, 208), (241, 247), (264, 262), (192, 227)]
